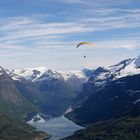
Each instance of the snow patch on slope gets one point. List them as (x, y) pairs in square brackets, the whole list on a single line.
[(125, 68), (137, 62), (128, 67), (137, 101), (131, 69), (30, 73), (68, 110), (1, 70), (36, 119)]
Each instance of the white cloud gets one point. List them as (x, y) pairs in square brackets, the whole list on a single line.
[(126, 44), (99, 3), (28, 27), (40, 40)]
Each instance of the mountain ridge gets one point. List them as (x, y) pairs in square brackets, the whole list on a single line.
[(110, 92)]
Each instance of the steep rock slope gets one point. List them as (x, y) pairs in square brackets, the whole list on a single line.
[(110, 93), (11, 100)]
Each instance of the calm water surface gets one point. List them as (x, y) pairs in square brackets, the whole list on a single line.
[(58, 127)]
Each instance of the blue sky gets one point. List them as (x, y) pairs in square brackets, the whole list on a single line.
[(45, 32)]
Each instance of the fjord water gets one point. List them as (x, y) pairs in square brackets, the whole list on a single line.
[(58, 127)]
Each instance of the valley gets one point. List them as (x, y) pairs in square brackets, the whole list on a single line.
[(69, 69), (99, 99)]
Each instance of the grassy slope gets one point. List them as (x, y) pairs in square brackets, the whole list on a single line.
[(13, 110), (121, 129), (13, 129)]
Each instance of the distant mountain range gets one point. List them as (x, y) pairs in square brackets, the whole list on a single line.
[(42, 73), (38, 90), (51, 92), (105, 93)]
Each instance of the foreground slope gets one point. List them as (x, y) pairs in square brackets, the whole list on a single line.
[(15, 129), (120, 129)]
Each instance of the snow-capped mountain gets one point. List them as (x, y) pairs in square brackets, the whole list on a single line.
[(125, 68), (122, 69), (111, 92), (101, 76), (51, 90), (42, 73)]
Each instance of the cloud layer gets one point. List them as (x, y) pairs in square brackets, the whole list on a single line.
[(109, 25)]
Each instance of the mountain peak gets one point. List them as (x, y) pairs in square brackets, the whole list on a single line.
[(42, 73), (137, 62)]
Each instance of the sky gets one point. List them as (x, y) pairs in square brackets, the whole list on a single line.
[(45, 33)]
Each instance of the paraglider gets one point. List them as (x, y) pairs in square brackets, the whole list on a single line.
[(86, 43)]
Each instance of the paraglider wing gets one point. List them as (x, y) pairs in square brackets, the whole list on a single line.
[(88, 43)]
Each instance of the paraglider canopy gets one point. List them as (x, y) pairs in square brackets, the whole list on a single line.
[(86, 43)]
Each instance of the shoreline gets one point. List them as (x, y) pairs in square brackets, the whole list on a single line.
[(42, 135)]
